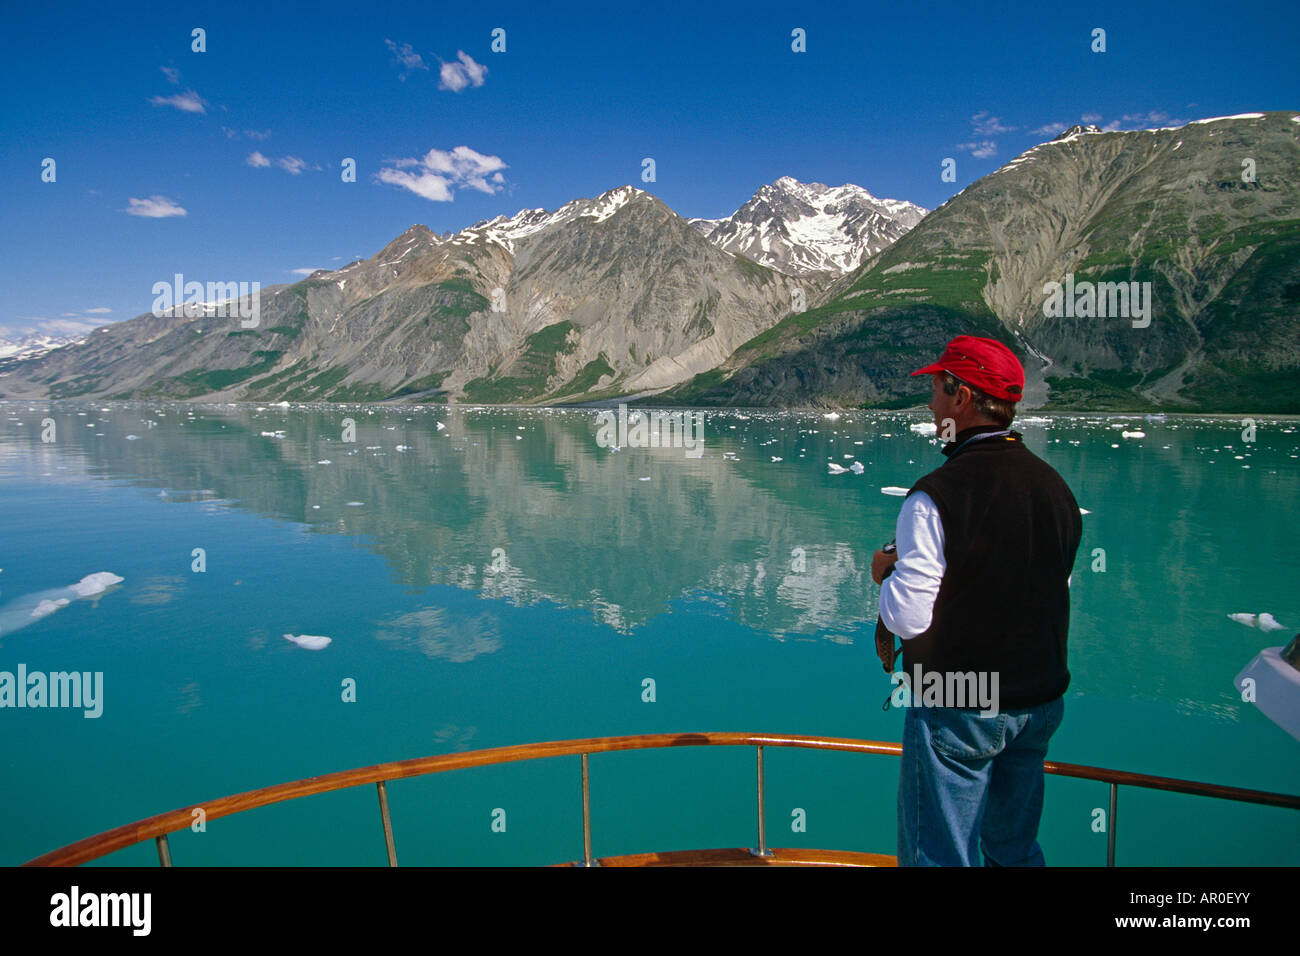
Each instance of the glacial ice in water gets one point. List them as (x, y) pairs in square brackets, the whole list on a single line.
[(1264, 621), (309, 642), (30, 608)]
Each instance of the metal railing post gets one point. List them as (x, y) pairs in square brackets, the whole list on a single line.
[(586, 814), (1110, 829), (388, 823), (762, 828), (164, 851)]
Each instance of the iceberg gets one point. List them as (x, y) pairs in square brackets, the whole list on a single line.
[(309, 642)]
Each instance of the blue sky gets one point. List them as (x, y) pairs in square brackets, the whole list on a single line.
[(247, 137)]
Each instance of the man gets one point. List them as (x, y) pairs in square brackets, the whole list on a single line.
[(980, 585)]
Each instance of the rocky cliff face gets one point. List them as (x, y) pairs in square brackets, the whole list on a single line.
[(1205, 218)]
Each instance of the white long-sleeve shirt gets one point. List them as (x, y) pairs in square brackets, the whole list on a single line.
[(907, 596)]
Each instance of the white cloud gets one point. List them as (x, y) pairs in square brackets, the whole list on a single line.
[(259, 135), (440, 173), (1050, 129), (173, 75), (155, 207), (189, 102), (293, 165), (306, 272), (986, 125), (457, 76), (406, 56), (981, 150), (1090, 118), (69, 315), (100, 311), (431, 187)]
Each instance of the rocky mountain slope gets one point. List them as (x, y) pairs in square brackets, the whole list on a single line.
[(1208, 214)]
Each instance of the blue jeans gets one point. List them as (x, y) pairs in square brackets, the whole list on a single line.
[(969, 781)]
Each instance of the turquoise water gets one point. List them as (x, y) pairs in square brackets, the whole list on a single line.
[(505, 579)]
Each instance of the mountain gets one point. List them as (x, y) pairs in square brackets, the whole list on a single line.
[(30, 343), (1208, 214), (805, 229), (608, 295)]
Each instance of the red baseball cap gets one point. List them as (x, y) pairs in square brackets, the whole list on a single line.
[(986, 364)]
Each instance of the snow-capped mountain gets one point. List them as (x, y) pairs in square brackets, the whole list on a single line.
[(526, 222), (805, 228), (31, 344)]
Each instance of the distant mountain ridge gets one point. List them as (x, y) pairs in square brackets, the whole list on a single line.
[(617, 295), (17, 345), (599, 297)]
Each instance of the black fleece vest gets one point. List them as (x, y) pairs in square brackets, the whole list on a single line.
[(1011, 530)]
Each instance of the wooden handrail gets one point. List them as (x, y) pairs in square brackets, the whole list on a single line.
[(101, 844)]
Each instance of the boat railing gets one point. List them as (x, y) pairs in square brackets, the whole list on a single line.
[(158, 827)]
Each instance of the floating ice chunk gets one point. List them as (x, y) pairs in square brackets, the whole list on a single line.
[(857, 468), (132, 437), (324, 461), (281, 404), (1133, 434), (926, 428), (1084, 511), (894, 490), (1241, 618), (441, 426), (647, 478), (96, 583), (1268, 623), (774, 458), (836, 469), (48, 607), (309, 642), (403, 447), (832, 416)]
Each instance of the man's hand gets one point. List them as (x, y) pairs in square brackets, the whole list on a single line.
[(881, 561)]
